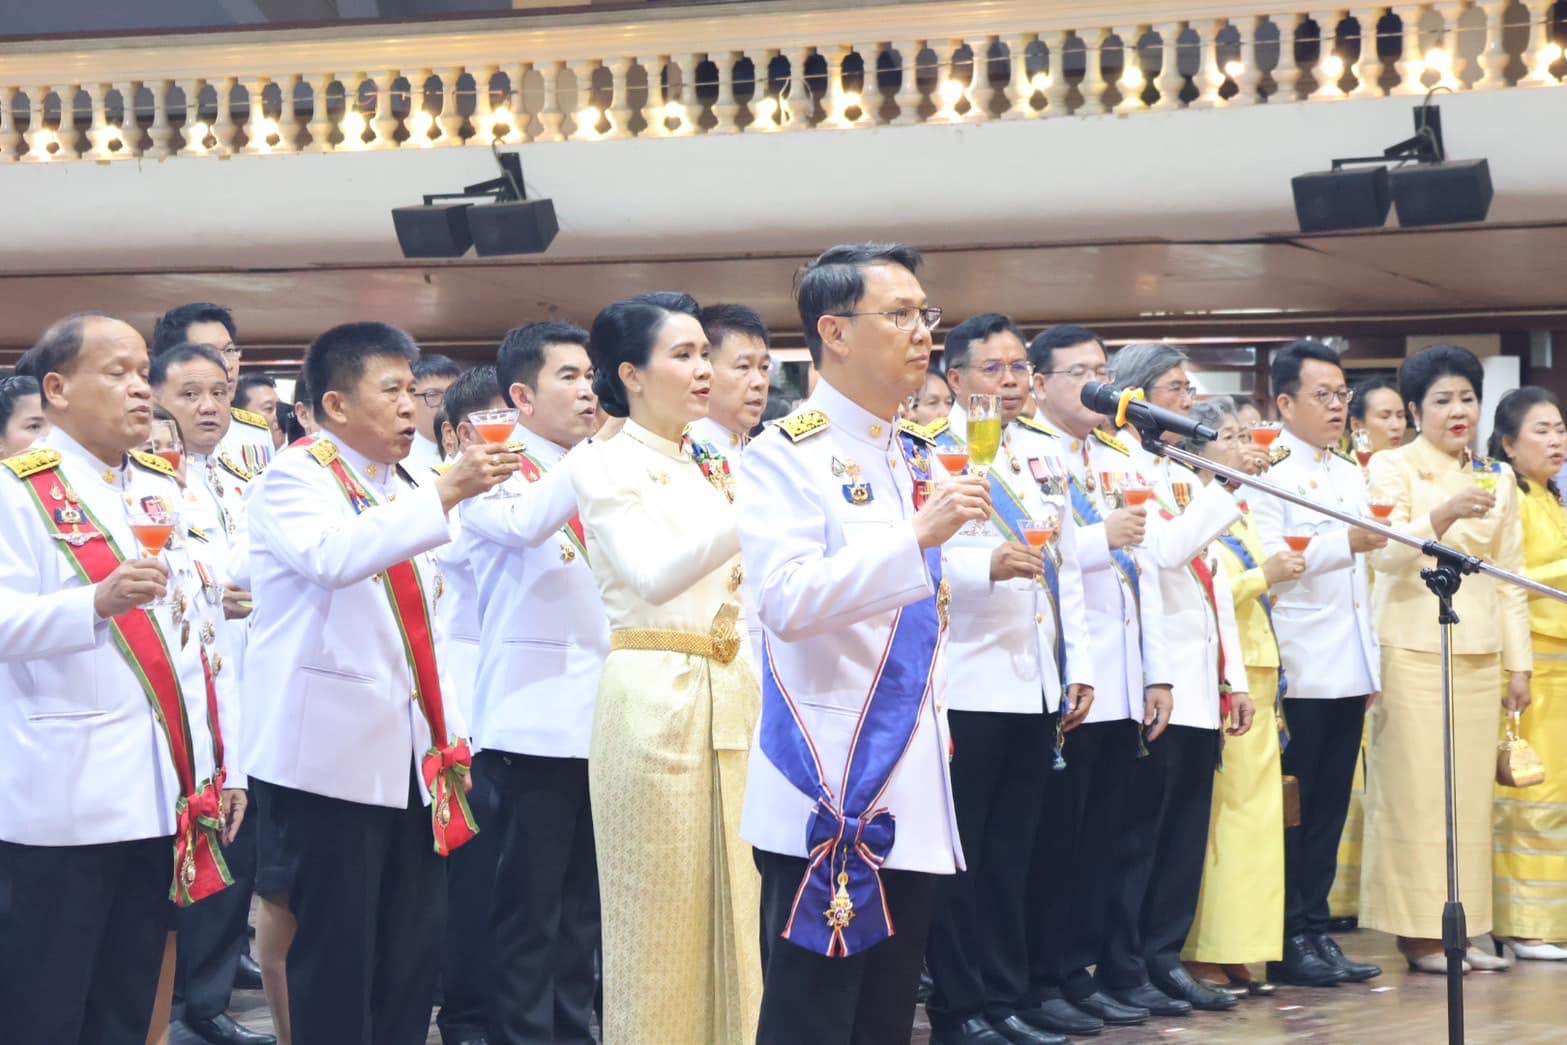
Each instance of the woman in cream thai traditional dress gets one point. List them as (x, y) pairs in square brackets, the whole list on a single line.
[(1240, 916), (679, 699), (1439, 491)]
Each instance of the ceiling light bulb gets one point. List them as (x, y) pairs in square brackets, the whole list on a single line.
[(421, 123), (1333, 67), (198, 134), (951, 93), (1132, 78), (1552, 53), (675, 111), (1440, 60), (1040, 83), (353, 127), (852, 100), (1234, 69), (766, 108)]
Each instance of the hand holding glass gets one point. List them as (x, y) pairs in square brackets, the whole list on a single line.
[(152, 529), (495, 427)]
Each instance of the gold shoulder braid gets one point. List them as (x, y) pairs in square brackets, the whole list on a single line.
[(248, 418), (324, 451), (153, 463), (1111, 441), (1029, 422), (228, 462), (926, 432), (803, 425), (31, 462)]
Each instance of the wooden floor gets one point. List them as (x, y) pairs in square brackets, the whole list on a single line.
[(1523, 1007)]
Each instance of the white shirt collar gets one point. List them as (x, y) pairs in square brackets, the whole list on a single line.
[(851, 419)]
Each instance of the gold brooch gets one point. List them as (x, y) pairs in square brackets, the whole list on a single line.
[(840, 912), (944, 602), (736, 577), (567, 552)]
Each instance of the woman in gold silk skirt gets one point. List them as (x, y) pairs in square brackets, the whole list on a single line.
[(1240, 915), (1439, 491), (1530, 888), (679, 698)]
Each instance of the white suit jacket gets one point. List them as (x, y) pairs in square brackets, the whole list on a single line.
[(826, 577), (248, 440), (543, 632), (328, 690), (73, 716)]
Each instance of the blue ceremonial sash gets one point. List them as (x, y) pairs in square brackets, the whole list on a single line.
[(849, 836), (1087, 515), (1238, 548)]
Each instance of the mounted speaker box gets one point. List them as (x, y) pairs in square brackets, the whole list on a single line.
[(437, 230), (1442, 193), (1355, 198), (523, 227)]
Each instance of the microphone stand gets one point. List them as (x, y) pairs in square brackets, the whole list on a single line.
[(1443, 578)]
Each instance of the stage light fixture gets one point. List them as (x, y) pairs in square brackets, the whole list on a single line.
[(510, 224)]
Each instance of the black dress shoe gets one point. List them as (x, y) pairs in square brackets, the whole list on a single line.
[(1343, 925), (1234, 990), (1354, 972), (1181, 985), (922, 992), (972, 1032), (1019, 1033), (1303, 966), (1062, 1017), (222, 1030), (247, 976), (1115, 1012), (1261, 988), (1151, 998)]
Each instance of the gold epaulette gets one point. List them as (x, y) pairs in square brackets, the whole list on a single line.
[(245, 417), (926, 432), (1029, 422), (440, 469), (1280, 453), (199, 534), (324, 451), (153, 463), (804, 425), (516, 447), (228, 463), (1111, 441), (31, 462)]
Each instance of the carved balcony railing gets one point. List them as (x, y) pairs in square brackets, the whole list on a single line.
[(762, 68)]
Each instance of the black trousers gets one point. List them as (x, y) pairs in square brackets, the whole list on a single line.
[(1325, 737), (978, 949), (864, 999), (369, 894), (1076, 869), (546, 909), (1166, 840), (212, 934), (82, 930), (468, 952)]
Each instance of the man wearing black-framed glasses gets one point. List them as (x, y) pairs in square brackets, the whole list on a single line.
[(433, 375)]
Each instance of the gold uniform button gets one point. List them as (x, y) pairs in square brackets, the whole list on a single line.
[(1039, 618)]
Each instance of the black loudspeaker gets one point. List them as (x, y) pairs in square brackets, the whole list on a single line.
[(1442, 193), (524, 227), (437, 230), (1356, 198)]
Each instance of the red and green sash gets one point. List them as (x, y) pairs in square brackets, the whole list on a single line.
[(444, 767), (199, 867), (532, 471), (1204, 575)]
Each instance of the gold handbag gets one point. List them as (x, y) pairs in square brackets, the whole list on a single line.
[(1517, 763)]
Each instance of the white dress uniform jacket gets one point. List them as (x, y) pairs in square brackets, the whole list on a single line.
[(1323, 620), (1195, 628), (543, 631), (826, 577), (328, 691), (732, 446), (1003, 633), (424, 456), (214, 503), (248, 440), (457, 606), (1126, 628), (73, 717)]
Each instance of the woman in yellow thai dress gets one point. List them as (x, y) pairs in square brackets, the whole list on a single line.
[(679, 698), (1439, 491), (1531, 823), (1240, 916)]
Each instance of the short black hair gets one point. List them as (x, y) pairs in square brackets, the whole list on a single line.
[(719, 321), (521, 356), (1363, 390), (183, 352), (1284, 371), (246, 382), (57, 349), (436, 365), (958, 345), (624, 333), (335, 361), (27, 365), (1042, 350), (473, 390), (172, 325), (835, 282), (1510, 412), (13, 389), (301, 387), (1429, 365)]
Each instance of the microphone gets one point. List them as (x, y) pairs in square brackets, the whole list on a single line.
[(1149, 419)]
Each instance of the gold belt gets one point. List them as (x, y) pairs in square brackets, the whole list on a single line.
[(721, 644)]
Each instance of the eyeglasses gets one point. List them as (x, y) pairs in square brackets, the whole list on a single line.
[(995, 367), (902, 318), (1323, 396), (1077, 373), (232, 351), (1176, 388), (432, 398)]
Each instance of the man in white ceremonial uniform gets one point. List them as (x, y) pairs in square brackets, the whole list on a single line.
[(351, 732), (1071, 901), (434, 375), (845, 573), (1018, 648), (1208, 674), (1328, 646), (544, 636), (741, 363), (189, 381), (248, 436), (112, 774)]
